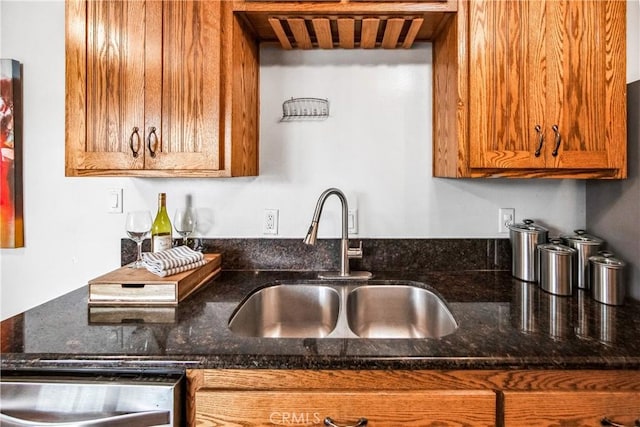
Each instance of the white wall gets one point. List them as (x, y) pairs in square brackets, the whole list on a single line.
[(376, 146), (633, 36)]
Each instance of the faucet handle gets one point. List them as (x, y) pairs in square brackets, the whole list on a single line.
[(355, 252)]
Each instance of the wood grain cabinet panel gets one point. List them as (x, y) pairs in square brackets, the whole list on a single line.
[(147, 92), (540, 89), (345, 24), (184, 86), (379, 408), (373, 1), (105, 85), (578, 408), (511, 398)]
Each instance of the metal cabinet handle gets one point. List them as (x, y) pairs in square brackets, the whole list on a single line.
[(607, 422), (558, 140), (152, 132), (361, 423), (538, 129), (135, 150), (135, 419)]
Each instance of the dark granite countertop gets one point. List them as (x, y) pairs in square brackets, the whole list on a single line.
[(503, 323)]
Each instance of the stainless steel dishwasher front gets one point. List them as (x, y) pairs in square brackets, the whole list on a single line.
[(131, 400)]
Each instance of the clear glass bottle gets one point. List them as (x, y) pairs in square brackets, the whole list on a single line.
[(161, 237)]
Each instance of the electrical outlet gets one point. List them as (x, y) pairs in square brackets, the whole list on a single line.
[(506, 216), (270, 224)]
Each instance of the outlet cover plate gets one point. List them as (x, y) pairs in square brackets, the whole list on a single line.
[(506, 216), (270, 222)]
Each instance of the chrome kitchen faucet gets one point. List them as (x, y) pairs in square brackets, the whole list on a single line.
[(345, 251)]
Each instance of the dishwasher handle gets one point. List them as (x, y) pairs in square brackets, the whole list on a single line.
[(134, 419)]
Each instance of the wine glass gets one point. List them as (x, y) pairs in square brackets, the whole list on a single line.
[(138, 226), (184, 221)]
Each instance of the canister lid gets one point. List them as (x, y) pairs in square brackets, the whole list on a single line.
[(607, 259), (582, 238), (555, 247), (527, 226)]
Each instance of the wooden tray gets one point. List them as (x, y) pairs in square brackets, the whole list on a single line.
[(129, 286)]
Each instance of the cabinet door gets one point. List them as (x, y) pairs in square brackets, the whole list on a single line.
[(574, 408), (585, 94), (507, 76), (183, 86), (143, 87), (115, 84), (380, 408), (546, 87), (276, 1)]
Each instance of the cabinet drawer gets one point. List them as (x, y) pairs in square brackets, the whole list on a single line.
[(380, 408), (391, 1), (575, 408)]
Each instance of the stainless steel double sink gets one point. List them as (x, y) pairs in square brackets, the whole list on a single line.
[(318, 309)]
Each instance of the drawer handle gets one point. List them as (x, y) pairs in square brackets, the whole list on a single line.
[(144, 418), (540, 140), (607, 422), (135, 150), (558, 140), (361, 423), (152, 132)]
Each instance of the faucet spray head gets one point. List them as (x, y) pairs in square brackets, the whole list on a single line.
[(312, 234)]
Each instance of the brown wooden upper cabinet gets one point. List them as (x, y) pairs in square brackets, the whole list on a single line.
[(544, 94), (147, 93), (529, 88)]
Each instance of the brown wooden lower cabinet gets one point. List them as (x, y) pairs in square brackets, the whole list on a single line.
[(379, 408), (264, 397), (577, 408)]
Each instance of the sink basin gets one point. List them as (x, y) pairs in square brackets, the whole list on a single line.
[(338, 310), (288, 311), (398, 311)]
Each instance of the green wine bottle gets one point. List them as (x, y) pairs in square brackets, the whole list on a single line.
[(161, 237)]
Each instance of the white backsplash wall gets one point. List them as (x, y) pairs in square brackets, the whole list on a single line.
[(633, 36), (375, 146)]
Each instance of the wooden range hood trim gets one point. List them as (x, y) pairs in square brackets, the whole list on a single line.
[(327, 32)]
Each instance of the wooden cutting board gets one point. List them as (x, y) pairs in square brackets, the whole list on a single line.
[(131, 286)]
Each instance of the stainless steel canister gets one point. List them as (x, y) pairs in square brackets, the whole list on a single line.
[(556, 267), (525, 237), (586, 245), (607, 278)]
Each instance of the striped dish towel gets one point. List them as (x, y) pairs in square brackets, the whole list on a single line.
[(172, 261)]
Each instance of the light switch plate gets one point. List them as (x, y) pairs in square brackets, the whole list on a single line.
[(353, 221), (114, 200)]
